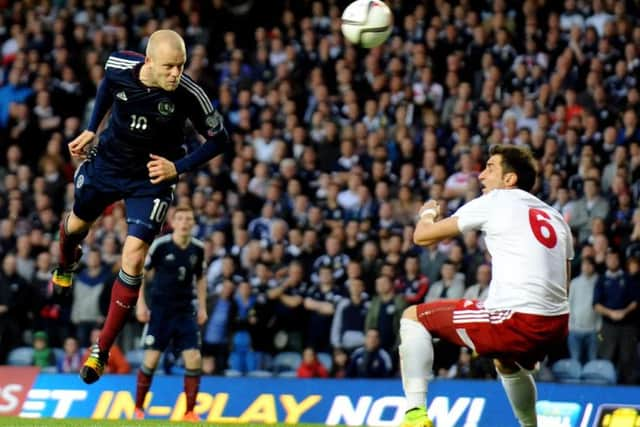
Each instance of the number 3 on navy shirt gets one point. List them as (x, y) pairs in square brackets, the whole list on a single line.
[(542, 228)]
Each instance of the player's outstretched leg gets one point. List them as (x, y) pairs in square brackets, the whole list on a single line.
[(124, 295), (70, 252), (416, 363), (191, 387)]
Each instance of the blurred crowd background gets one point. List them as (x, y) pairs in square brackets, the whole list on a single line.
[(308, 217)]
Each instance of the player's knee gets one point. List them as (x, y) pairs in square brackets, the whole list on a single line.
[(192, 359), (133, 255), (76, 224), (410, 313)]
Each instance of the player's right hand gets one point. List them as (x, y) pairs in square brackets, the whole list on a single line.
[(430, 208), (77, 146), (142, 312)]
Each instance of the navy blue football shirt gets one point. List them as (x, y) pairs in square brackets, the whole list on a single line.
[(147, 120), (176, 271)]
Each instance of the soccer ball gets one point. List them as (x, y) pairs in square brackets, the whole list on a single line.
[(367, 23)]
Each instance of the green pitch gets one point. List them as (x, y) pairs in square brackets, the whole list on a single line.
[(76, 422)]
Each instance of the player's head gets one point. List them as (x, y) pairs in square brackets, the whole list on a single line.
[(183, 221), (165, 57), (509, 166)]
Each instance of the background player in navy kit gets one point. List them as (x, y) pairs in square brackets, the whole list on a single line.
[(176, 262), (138, 158)]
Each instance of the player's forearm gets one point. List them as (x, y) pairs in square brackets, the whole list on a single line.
[(141, 298), (428, 232), (102, 103), (207, 151), (601, 309), (202, 294)]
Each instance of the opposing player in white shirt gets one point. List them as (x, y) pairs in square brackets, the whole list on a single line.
[(526, 312)]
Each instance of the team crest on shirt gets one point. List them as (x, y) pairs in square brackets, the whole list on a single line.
[(193, 259), (79, 181), (166, 108), (213, 120)]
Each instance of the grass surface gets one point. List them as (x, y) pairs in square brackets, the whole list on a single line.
[(76, 422)]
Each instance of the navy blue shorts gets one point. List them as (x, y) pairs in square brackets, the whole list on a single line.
[(179, 328), (146, 204)]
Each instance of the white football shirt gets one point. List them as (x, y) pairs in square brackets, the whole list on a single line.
[(529, 243)]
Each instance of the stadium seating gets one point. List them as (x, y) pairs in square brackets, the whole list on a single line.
[(21, 356), (260, 373), (567, 371), (232, 373), (286, 361), (326, 360), (288, 374), (599, 371), (59, 353)]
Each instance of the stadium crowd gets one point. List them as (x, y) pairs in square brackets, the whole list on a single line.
[(307, 219)]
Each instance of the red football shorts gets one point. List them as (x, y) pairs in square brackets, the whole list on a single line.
[(501, 334)]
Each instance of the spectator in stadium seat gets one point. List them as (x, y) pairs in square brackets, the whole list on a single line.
[(311, 367), (288, 298), (339, 363), (348, 321), (370, 360), (334, 259), (71, 361), (584, 321), (216, 336), (590, 206), (320, 301), (90, 282), (480, 289), (450, 286), (431, 261), (43, 356), (384, 314), (616, 297), (413, 285), (14, 91), (21, 301)]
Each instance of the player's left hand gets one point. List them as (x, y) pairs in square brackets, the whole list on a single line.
[(202, 316), (161, 169)]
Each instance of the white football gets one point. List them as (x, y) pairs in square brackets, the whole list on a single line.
[(367, 23)]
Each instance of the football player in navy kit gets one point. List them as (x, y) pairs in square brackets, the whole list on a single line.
[(176, 261), (138, 158)]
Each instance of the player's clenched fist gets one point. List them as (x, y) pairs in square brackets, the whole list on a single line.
[(161, 169), (77, 146), (429, 209)]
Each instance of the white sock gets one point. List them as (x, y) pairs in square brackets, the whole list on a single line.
[(416, 361), (521, 391)]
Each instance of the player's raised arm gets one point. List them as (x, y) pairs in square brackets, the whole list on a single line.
[(101, 106), (429, 231), (208, 122)]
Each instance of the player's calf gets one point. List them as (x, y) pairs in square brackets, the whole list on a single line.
[(70, 255)]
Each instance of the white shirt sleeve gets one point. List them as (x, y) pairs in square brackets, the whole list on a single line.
[(570, 251), (476, 213)]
